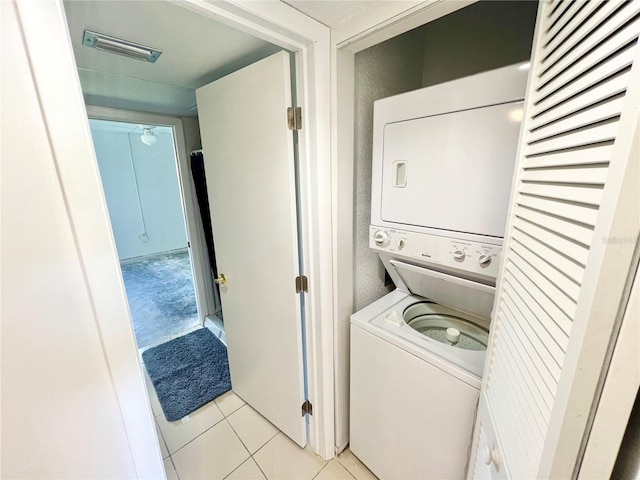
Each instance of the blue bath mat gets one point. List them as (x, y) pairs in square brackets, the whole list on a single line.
[(188, 372)]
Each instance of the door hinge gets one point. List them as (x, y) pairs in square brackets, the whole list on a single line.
[(294, 118), (302, 284), (307, 408)]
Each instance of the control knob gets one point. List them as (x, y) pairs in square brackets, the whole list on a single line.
[(381, 238), (459, 254), (484, 259)]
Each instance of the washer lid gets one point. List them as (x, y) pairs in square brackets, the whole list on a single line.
[(454, 292)]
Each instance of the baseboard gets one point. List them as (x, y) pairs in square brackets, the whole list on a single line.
[(213, 323)]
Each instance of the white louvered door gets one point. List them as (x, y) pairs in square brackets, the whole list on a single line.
[(581, 96)]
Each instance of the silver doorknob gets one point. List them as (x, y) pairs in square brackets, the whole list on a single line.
[(221, 280)]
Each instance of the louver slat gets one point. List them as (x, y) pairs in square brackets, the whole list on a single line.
[(549, 354), (576, 213), (553, 275), (580, 74), (589, 97), (582, 194), (605, 111), (558, 14), (507, 423), (594, 154), (565, 55), (595, 176), (535, 369), (593, 134), (621, 61), (520, 280), (556, 242), (515, 397), (573, 31), (568, 266), (576, 67), (560, 26)]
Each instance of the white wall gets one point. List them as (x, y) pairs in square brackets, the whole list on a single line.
[(158, 185), (61, 416)]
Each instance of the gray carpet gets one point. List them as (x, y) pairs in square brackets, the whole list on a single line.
[(188, 372), (161, 295)]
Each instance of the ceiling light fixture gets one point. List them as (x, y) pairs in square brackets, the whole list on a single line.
[(110, 44), (148, 137)]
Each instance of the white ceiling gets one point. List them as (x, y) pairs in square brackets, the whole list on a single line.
[(195, 51)]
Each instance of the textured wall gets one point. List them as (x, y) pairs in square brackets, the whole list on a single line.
[(481, 37), (389, 68)]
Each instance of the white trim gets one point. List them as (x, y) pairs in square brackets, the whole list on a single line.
[(282, 25), (618, 394), (395, 19), (601, 296), (385, 21), (53, 65), (204, 297), (342, 131)]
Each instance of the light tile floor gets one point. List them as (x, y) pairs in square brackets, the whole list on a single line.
[(227, 439)]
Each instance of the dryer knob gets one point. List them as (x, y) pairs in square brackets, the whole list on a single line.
[(484, 259), (381, 238), (459, 254)]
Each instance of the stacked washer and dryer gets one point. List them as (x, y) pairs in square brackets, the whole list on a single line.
[(443, 160)]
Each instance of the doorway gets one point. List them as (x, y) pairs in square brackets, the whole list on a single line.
[(138, 170), (107, 84)]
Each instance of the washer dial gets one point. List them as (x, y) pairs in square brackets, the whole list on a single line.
[(458, 254), (381, 238)]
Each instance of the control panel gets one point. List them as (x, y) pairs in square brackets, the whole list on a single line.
[(478, 259)]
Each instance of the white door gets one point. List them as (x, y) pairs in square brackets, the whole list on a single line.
[(249, 161), (566, 256)]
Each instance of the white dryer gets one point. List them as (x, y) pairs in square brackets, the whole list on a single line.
[(442, 170)]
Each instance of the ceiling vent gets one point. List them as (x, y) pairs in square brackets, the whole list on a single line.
[(110, 44)]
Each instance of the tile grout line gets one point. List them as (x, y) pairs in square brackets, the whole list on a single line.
[(347, 467), (238, 435), (259, 448), (175, 469), (161, 438), (199, 435), (258, 465), (323, 467), (250, 454)]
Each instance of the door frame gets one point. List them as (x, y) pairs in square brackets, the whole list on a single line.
[(280, 24), (204, 294)]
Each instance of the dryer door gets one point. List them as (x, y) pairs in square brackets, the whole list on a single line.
[(451, 172)]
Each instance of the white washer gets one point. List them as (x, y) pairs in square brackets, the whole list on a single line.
[(413, 397)]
